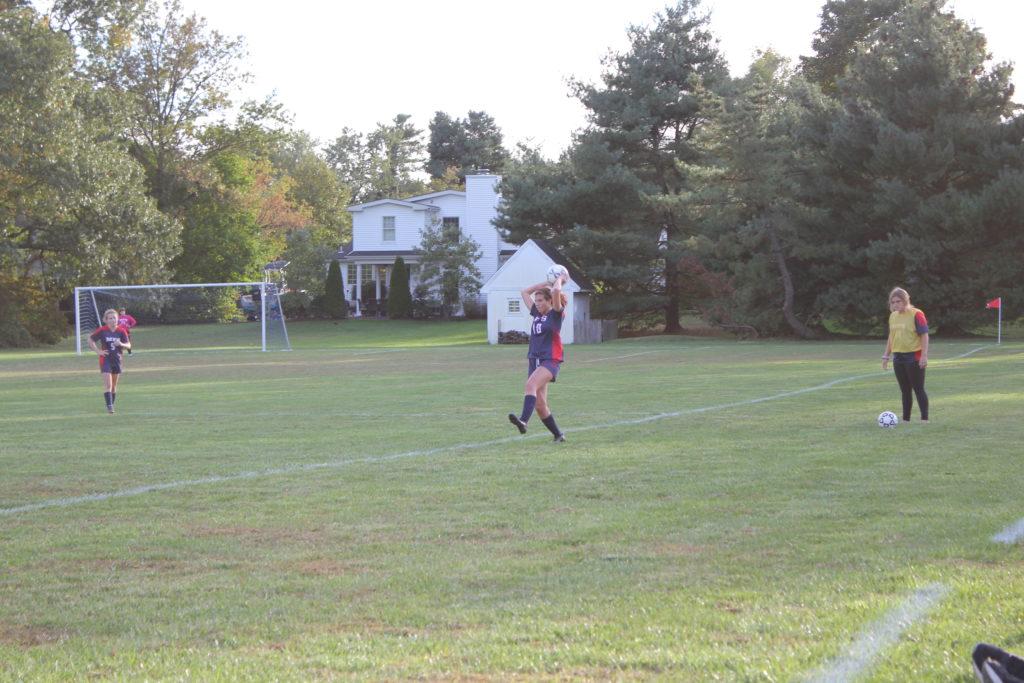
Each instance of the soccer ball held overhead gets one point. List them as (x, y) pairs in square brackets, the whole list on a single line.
[(555, 271)]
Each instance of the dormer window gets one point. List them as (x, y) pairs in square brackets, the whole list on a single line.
[(388, 229)]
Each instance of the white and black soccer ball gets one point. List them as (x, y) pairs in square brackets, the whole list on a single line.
[(888, 420), (555, 272)]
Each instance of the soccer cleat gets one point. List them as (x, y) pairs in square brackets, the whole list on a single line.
[(110, 409), (560, 438), (520, 425)]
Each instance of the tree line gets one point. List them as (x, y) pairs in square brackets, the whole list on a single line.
[(789, 199), (125, 158), (794, 197)]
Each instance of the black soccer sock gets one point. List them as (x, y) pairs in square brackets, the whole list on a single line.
[(529, 402), (113, 397), (549, 422), (107, 396)]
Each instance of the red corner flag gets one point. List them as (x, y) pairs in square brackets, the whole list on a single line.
[(995, 303)]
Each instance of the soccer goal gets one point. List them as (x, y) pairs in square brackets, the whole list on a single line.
[(192, 317)]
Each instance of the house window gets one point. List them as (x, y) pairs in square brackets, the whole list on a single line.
[(513, 305), (388, 233), (450, 228)]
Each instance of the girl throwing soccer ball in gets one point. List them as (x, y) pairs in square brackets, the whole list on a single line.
[(546, 304), (108, 342)]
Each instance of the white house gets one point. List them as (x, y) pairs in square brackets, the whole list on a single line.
[(387, 228), (506, 310)]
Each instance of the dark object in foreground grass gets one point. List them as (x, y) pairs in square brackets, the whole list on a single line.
[(995, 665)]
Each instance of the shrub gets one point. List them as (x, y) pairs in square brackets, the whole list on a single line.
[(474, 309), (297, 305), (28, 313), (399, 299), (334, 305)]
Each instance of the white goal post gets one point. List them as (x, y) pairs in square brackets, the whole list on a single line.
[(90, 302)]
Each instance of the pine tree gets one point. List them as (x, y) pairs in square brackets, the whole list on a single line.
[(616, 203), (752, 197), (335, 305), (399, 296), (922, 175), (464, 145)]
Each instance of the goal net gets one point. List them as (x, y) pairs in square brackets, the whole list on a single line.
[(222, 315)]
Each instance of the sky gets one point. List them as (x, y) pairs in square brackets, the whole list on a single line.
[(338, 64)]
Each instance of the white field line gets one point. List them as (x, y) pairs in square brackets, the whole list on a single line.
[(642, 353), (334, 464), (274, 363), (1011, 534), (628, 355), (881, 634)]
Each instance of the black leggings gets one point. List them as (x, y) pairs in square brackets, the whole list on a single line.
[(911, 379)]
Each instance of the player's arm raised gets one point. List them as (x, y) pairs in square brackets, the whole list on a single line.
[(556, 294), (527, 294)]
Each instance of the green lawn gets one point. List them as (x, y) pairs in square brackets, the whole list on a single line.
[(359, 507)]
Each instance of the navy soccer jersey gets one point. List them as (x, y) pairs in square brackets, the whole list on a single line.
[(545, 335), (105, 338)]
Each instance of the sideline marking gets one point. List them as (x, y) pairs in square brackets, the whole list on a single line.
[(1011, 534), (863, 652), (333, 464), (628, 355), (642, 353)]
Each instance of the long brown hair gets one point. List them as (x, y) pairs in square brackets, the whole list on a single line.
[(546, 293)]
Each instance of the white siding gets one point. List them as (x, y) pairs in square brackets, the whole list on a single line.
[(449, 205), (481, 210), (367, 228), (476, 209)]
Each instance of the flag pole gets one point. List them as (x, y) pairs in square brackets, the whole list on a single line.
[(999, 327)]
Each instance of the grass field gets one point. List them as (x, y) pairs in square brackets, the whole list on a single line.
[(360, 508)]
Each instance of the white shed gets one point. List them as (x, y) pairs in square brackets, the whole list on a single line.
[(505, 308)]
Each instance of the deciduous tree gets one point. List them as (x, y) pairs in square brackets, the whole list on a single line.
[(448, 266)]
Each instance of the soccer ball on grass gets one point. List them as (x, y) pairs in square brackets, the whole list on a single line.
[(555, 272), (888, 420)]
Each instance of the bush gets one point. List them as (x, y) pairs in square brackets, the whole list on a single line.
[(28, 313), (13, 335), (297, 305), (186, 306), (334, 304), (400, 299), (474, 309), (423, 306)]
